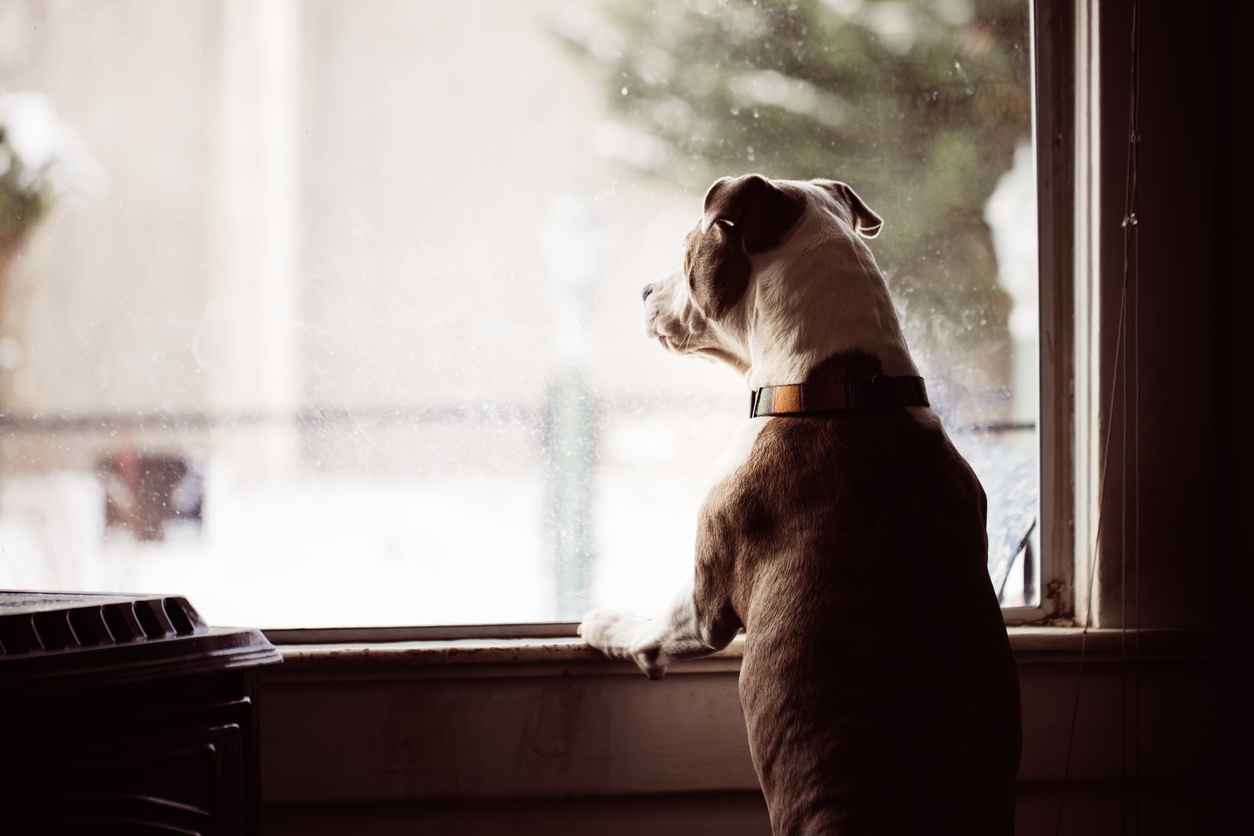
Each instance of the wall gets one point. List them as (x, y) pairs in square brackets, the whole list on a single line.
[(545, 736), (1231, 356)]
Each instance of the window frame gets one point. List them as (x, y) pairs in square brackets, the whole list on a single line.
[(1056, 110), (1186, 668)]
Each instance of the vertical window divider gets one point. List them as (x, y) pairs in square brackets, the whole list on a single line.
[(1086, 431), (1061, 112)]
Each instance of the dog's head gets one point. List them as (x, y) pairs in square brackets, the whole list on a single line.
[(769, 261)]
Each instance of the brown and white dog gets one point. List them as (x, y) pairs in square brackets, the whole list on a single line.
[(878, 685)]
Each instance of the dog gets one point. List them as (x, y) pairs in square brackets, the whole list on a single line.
[(841, 530)]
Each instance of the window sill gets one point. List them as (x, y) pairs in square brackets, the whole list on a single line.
[(415, 653)]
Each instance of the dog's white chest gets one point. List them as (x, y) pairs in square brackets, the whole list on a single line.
[(736, 454)]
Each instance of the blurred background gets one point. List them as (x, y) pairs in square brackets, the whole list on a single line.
[(327, 312)]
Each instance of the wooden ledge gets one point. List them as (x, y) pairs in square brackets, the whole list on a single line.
[(490, 657)]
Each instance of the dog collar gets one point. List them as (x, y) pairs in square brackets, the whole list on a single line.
[(880, 392)]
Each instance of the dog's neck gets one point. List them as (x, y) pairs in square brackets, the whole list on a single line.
[(843, 309)]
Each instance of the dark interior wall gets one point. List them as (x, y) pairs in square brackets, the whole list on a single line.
[(1178, 187), (1231, 346), (1196, 351)]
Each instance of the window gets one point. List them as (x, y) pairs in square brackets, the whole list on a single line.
[(326, 314)]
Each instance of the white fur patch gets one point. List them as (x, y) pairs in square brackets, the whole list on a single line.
[(735, 454)]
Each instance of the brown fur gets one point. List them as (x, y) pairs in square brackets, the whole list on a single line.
[(873, 705), (743, 216)]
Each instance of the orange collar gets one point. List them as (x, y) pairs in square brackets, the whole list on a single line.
[(880, 392)]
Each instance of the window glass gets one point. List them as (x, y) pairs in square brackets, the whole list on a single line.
[(327, 313)]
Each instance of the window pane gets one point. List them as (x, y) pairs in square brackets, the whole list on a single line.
[(327, 313)]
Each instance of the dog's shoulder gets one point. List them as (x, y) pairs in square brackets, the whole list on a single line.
[(873, 464), (854, 496), (870, 463)]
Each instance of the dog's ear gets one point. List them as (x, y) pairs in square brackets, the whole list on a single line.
[(717, 268), (760, 212), (865, 222), (743, 215)]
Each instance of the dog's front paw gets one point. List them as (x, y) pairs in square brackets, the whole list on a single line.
[(611, 631), (619, 635)]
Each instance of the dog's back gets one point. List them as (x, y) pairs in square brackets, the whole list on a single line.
[(871, 711)]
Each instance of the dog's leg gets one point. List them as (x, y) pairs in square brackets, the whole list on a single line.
[(654, 644)]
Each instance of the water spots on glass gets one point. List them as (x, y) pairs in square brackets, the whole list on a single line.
[(359, 351)]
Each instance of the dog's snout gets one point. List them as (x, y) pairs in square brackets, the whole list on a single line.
[(644, 297)]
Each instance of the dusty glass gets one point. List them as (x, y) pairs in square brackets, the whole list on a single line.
[(328, 313)]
